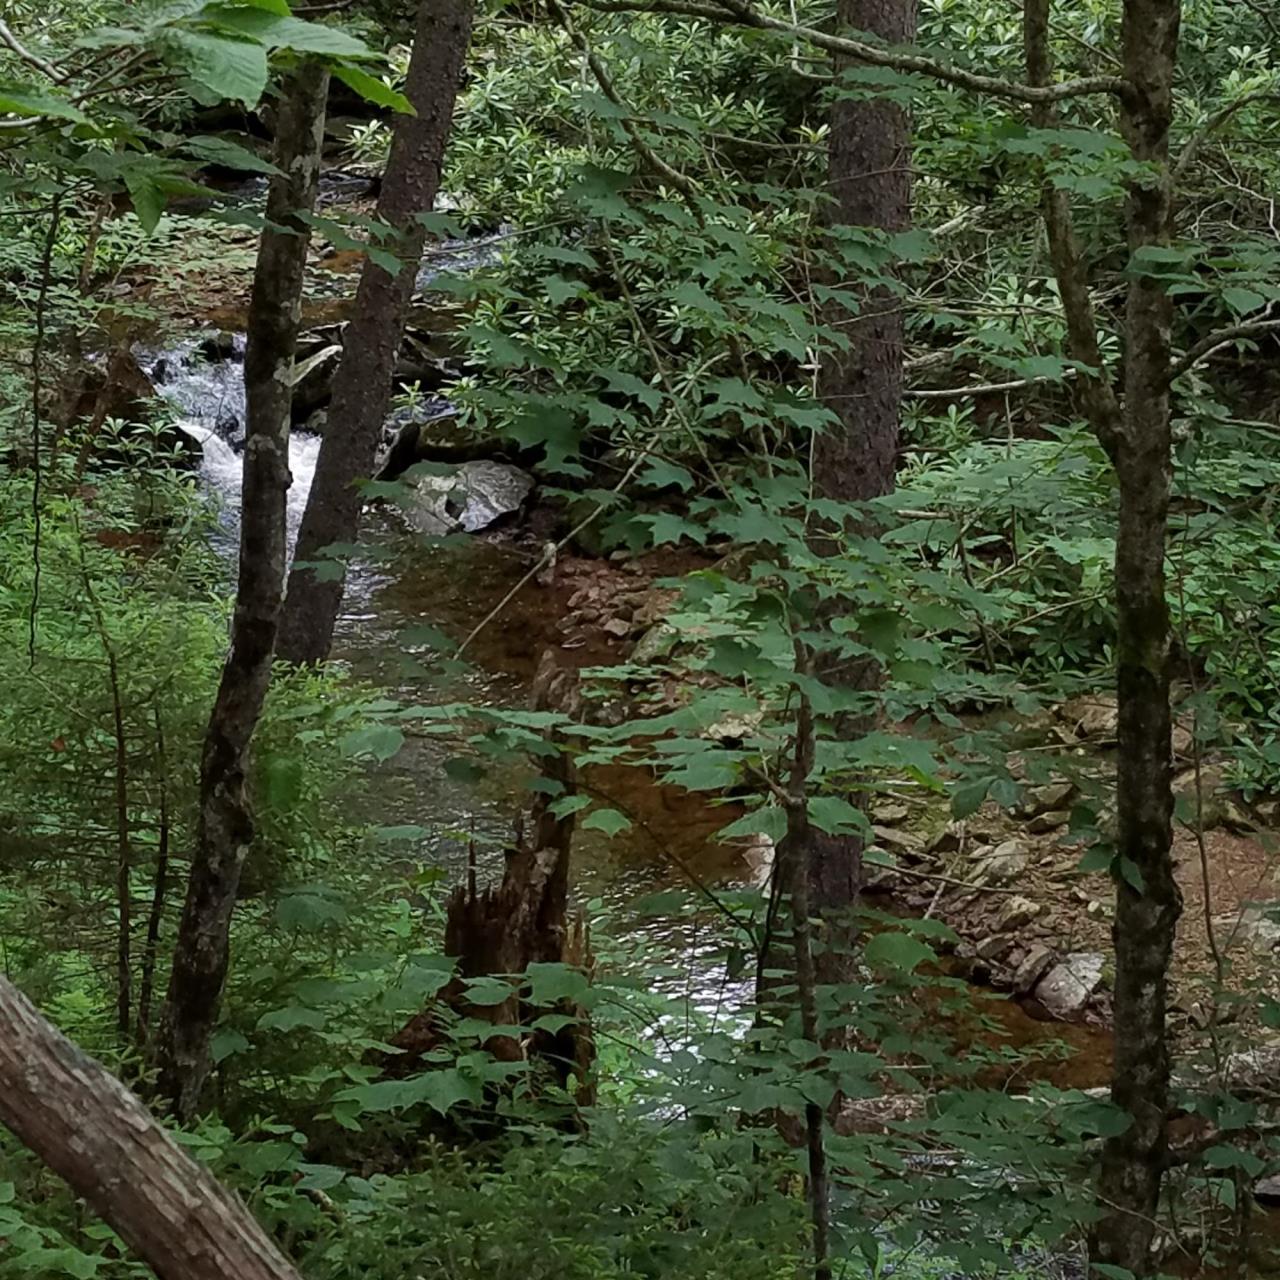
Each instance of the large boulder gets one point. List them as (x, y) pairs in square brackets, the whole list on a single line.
[(466, 498), (1068, 987)]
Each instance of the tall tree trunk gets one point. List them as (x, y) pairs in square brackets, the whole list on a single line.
[(869, 171), (870, 179), (1147, 911), (362, 387), (201, 950), (1136, 434), (89, 1129)]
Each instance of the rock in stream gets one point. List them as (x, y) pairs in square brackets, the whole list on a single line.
[(466, 498)]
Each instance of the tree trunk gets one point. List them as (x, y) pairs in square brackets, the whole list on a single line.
[(869, 169), (1146, 912), (226, 823), (799, 841), (89, 1129), (362, 387), (870, 178)]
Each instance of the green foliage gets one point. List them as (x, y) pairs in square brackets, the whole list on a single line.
[(654, 332)]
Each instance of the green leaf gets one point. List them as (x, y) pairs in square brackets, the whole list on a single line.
[(610, 821), (381, 741), (291, 1018), (1132, 874), (567, 805), (1242, 301), (770, 821), (391, 835), (374, 90), (233, 69), (147, 198), (629, 385), (282, 31), (552, 1022), (443, 1090), (837, 816), (895, 950), (551, 983), (559, 290), (1224, 1157), (320, 1177), (966, 800), (225, 1043), (487, 992), (1099, 858), (28, 102), (228, 154)]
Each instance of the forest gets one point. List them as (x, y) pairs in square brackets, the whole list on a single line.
[(639, 638)]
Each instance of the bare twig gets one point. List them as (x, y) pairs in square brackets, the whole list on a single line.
[(796, 850), (1215, 122), (986, 388), (37, 396), (124, 852), (683, 184), (1069, 269), (934, 878), (158, 892), (548, 556), (1257, 8)]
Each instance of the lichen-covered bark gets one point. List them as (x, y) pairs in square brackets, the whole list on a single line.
[(870, 180), (226, 821), (362, 387), (91, 1131), (1146, 914), (869, 164)]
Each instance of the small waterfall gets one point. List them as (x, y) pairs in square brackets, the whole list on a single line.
[(203, 379)]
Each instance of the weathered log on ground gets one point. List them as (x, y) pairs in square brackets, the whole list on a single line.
[(91, 1131)]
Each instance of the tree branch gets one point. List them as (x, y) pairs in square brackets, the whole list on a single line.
[(684, 185), (43, 66), (91, 1131), (986, 388), (1215, 341), (1101, 403), (1214, 123), (746, 15), (1268, 21)]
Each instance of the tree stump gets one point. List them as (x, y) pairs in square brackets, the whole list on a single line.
[(500, 930)]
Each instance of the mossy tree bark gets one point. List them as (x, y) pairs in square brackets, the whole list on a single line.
[(1134, 428), (1148, 902), (201, 952), (362, 387)]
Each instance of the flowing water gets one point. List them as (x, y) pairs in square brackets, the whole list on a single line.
[(403, 582)]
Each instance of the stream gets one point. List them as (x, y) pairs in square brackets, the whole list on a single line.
[(405, 581)]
